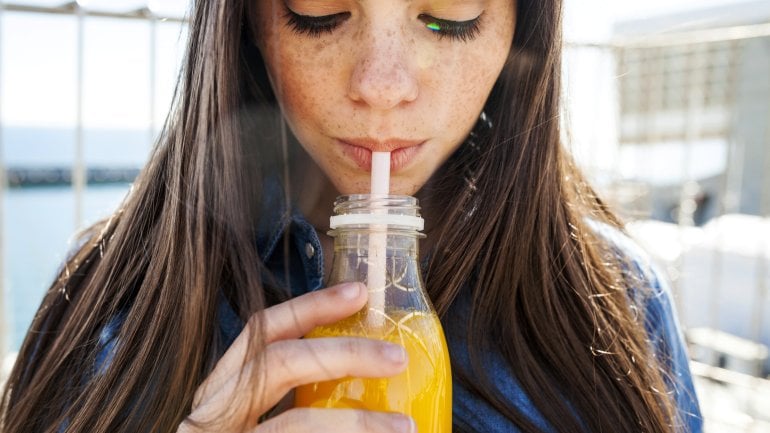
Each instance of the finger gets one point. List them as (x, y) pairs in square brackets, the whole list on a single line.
[(291, 319), (291, 363), (297, 317), (337, 420)]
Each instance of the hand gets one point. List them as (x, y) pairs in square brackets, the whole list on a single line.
[(289, 361)]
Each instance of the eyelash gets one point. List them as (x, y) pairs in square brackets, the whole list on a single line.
[(315, 26), (463, 31), (312, 26)]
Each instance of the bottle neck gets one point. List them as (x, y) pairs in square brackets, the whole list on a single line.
[(376, 243), (357, 241), (376, 212), (390, 222), (391, 274)]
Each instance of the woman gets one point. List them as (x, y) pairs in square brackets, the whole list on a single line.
[(171, 317)]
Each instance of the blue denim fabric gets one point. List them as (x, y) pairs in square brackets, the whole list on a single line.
[(470, 413)]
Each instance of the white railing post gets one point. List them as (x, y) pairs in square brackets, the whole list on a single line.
[(78, 166), (153, 73), (759, 311), (3, 314)]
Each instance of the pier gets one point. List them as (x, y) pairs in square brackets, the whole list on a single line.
[(61, 176)]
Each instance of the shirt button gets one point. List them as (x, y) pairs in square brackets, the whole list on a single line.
[(309, 250)]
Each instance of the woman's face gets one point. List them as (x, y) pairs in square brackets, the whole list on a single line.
[(406, 76)]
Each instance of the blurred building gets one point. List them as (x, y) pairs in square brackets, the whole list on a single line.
[(694, 95), (693, 162)]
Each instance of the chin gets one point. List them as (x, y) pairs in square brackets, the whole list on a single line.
[(404, 189), (360, 183), (365, 189), (345, 187)]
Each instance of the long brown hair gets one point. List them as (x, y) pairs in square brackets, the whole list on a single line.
[(542, 285)]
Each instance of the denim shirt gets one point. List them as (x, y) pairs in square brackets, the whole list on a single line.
[(470, 414)]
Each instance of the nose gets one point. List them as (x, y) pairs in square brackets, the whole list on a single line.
[(382, 76)]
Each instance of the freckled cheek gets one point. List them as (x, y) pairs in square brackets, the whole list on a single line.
[(303, 93), (461, 87), (479, 80)]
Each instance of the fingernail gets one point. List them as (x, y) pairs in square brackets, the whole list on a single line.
[(349, 290), (403, 424), (394, 353)]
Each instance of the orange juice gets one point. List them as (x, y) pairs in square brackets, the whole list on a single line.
[(423, 391)]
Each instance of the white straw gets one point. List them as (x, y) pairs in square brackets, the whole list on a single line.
[(380, 173), (378, 241)]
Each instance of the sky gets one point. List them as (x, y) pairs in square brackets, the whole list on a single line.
[(38, 73), (592, 20)]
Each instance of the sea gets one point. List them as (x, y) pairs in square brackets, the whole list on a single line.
[(39, 221)]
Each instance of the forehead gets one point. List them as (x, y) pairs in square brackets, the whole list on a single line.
[(375, 7), (429, 3)]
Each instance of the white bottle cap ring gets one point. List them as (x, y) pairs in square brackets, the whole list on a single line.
[(409, 221)]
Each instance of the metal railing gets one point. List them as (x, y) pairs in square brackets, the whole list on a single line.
[(703, 92), (751, 388)]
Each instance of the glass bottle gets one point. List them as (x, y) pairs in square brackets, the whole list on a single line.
[(376, 242)]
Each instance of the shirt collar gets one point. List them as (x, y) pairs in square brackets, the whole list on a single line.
[(305, 271)]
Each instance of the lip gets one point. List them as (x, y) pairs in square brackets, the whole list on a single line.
[(360, 150)]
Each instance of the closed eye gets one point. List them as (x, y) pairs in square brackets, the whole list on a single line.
[(315, 26), (458, 30)]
